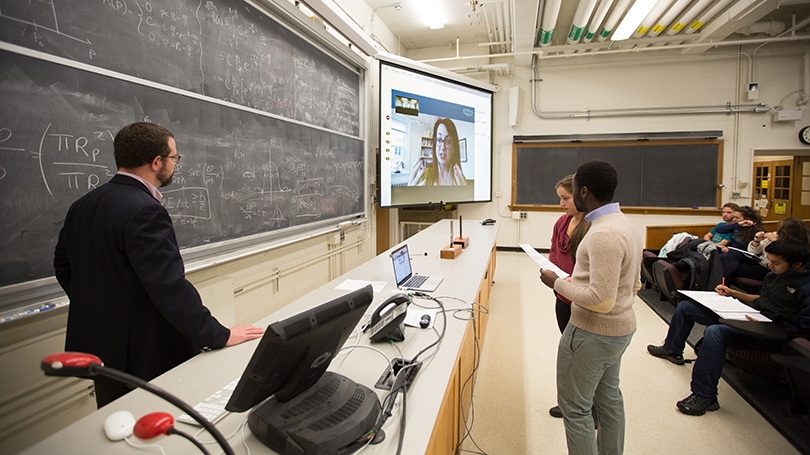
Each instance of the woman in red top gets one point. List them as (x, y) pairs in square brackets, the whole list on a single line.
[(568, 231)]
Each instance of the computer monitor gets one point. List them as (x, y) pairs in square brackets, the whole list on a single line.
[(294, 353)]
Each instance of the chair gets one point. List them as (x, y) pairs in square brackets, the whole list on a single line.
[(756, 361), (748, 285), (669, 280), (648, 257), (797, 373), (760, 363)]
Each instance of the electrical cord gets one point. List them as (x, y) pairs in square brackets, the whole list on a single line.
[(197, 443), (387, 359), (144, 446), (468, 426), (240, 427), (444, 328)]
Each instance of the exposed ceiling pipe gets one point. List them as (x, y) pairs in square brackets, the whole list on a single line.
[(664, 22), (687, 17), (613, 19), (584, 11), (791, 30), (598, 17), (652, 16), (501, 32), (706, 17), (727, 109), (770, 27), (512, 26), (540, 53), (489, 25), (550, 14), (806, 93)]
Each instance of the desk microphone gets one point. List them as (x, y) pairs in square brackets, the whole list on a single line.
[(88, 366), (158, 423)]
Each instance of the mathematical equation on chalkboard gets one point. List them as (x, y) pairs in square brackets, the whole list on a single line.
[(242, 173), (224, 49)]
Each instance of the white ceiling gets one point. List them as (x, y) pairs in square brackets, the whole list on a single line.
[(468, 20)]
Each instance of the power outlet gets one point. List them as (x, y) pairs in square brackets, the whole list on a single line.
[(336, 238), (523, 215), (735, 194)]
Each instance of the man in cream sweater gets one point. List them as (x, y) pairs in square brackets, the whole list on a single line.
[(602, 288)]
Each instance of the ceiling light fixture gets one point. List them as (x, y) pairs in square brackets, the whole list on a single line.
[(633, 18), (431, 13)]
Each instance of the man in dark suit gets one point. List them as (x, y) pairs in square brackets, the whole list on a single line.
[(118, 261)]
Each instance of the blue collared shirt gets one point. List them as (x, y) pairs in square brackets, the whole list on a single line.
[(606, 209)]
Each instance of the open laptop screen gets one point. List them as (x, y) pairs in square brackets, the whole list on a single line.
[(402, 264)]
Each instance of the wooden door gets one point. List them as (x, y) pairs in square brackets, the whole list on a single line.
[(772, 184), (762, 190), (800, 206), (781, 180)]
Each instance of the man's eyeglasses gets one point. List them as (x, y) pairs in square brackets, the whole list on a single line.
[(175, 158)]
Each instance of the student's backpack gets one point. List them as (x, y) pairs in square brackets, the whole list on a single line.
[(689, 266)]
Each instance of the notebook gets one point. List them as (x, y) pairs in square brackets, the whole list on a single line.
[(406, 278)]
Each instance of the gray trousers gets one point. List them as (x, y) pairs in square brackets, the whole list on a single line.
[(588, 376)]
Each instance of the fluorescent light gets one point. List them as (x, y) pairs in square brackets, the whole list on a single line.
[(633, 18), (431, 13)]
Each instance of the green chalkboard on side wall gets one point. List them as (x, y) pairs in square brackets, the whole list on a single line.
[(652, 174)]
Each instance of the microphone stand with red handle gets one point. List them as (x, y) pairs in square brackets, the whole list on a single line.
[(88, 366)]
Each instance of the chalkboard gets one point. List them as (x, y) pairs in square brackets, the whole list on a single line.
[(666, 174), (224, 49), (245, 169)]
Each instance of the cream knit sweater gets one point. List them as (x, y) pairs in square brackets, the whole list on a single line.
[(606, 277)]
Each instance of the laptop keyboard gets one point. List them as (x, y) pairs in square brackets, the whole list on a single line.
[(415, 281)]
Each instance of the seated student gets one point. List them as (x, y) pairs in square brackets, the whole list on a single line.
[(728, 217), (784, 299), (736, 262), (788, 228)]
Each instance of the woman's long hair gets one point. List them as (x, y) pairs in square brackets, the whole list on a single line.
[(451, 130), (579, 232), (793, 228), (746, 234)]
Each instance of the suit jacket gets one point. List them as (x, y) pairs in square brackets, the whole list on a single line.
[(118, 260)]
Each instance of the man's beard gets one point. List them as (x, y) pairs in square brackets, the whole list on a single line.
[(165, 180)]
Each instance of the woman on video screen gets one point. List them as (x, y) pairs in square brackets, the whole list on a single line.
[(445, 167)]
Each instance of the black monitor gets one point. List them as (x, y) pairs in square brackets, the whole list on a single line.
[(294, 353)]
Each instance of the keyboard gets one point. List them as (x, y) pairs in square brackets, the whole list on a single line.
[(213, 407), (415, 281)]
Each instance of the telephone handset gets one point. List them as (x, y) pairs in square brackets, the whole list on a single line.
[(387, 320)]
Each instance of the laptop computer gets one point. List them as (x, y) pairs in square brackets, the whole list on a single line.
[(406, 279)]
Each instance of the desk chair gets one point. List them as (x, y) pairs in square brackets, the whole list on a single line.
[(756, 361), (797, 373)]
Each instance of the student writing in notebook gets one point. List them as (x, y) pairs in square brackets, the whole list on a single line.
[(785, 299)]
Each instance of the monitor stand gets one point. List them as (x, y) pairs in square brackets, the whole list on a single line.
[(329, 418)]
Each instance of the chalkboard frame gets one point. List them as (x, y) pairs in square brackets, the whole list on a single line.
[(562, 147)]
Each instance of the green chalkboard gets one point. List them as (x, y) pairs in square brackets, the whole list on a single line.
[(655, 174)]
